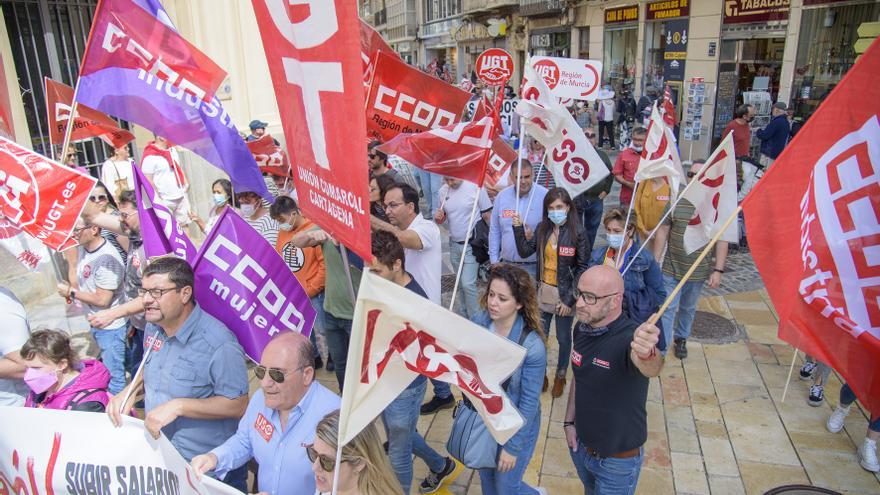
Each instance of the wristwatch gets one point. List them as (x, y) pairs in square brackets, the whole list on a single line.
[(72, 295)]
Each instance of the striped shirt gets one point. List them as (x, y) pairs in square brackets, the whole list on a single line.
[(267, 228), (677, 261)]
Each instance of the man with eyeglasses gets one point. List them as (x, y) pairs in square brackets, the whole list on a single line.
[(591, 203), (194, 378), (99, 277), (612, 359), (379, 163), (282, 417)]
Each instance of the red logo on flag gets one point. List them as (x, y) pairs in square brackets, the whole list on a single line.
[(494, 67), (549, 71), (264, 427)]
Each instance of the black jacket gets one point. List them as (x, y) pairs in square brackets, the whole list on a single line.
[(568, 266)]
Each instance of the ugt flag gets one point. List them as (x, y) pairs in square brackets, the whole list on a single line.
[(814, 231), (159, 230), (88, 123), (136, 67), (660, 157), (40, 196), (713, 194), (242, 281), (397, 335)]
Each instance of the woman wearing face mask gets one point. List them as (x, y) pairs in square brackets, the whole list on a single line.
[(221, 197), (563, 254), (364, 469), (643, 291), (511, 311), (58, 379), (255, 212)]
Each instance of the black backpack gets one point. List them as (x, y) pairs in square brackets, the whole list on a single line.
[(480, 241)]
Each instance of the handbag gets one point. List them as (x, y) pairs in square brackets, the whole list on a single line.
[(470, 441), (548, 297)]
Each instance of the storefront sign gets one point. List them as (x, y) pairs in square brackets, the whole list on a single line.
[(622, 14), (667, 9), (739, 11), (822, 2), (675, 53)]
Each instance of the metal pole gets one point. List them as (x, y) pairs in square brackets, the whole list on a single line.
[(464, 249)]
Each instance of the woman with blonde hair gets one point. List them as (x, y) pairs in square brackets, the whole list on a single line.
[(364, 469)]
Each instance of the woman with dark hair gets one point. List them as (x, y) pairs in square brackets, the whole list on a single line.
[(563, 254), (511, 311), (378, 185), (58, 379), (221, 194)]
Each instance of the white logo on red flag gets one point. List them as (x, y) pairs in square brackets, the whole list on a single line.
[(494, 67), (87, 123), (713, 195)]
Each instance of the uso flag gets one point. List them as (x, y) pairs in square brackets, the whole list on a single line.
[(814, 230), (136, 67)]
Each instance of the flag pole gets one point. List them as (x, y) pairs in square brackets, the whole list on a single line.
[(632, 201), (669, 298), (467, 238), (790, 370), (531, 196), (134, 379), (68, 131), (338, 461)]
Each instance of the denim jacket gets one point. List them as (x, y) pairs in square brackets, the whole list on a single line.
[(643, 290), (524, 387)]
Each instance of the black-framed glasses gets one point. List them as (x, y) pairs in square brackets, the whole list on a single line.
[(156, 293), (276, 374), (589, 298), (77, 230), (327, 463), (98, 198)]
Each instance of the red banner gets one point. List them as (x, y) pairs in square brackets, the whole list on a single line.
[(371, 44), (127, 36), (404, 100), (813, 222), (7, 129), (89, 123), (270, 157), (41, 197), (314, 56)]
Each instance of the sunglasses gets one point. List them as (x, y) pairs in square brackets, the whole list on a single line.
[(275, 374), (372, 155), (328, 464), (98, 199)]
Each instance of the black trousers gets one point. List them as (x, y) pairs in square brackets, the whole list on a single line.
[(606, 127)]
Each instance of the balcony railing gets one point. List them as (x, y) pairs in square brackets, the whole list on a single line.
[(540, 7), (471, 6)]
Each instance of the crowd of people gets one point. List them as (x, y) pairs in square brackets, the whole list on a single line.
[(546, 273)]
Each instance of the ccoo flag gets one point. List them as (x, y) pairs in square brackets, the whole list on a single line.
[(136, 67), (160, 231)]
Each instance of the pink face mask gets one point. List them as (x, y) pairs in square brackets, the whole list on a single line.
[(40, 381)]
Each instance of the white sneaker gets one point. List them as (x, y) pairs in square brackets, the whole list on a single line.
[(835, 422), (868, 456), (542, 491)]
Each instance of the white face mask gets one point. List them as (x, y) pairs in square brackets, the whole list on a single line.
[(285, 227), (248, 210)]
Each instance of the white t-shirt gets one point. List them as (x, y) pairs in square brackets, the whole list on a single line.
[(425, 265), (102, 269), (458, 204), (163, 176), (14, 334), (113, 171)]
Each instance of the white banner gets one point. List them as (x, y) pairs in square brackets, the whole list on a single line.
[(44, 451), (570, 77)]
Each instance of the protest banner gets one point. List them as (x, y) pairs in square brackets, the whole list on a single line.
[(176, 107), (270, 157), (81, 453), (24, 248), (371, 44), (398, 335), (813, 231), (494, 67), (41, 196), (88, 123), (242, 281), (317, 71), (570, 77), (405, 100), (160, 231), (508, 107)]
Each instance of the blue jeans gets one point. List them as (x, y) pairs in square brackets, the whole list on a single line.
[(237, 478), (430, 188), (468, 284), (684, 306), (401, 417), (510, 483), (112, 343), (318, 304), (337, 331), (563, 337), (847, 397), (591, 217), (609, 475)]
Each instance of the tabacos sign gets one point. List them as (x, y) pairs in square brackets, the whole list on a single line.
[(569, 77), (494, 67), (739, 11)]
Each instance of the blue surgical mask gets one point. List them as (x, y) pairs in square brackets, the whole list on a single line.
[(557, 216), (614, 240), (285, 227), (219, 198)]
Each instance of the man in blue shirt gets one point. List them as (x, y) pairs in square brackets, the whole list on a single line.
[(529, 205), (194, 378), (775, 135), (280, 419)]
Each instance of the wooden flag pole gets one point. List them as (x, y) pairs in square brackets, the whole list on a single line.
[(632, 201), (68, 131), (790, 370)]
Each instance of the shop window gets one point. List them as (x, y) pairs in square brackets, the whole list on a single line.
[(584, 44), (619, 56)]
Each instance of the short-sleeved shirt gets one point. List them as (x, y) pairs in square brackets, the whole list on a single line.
[(458, 204), (14, 334), (163, 175), (102, 269), (426, 264), (134, 271), (266, 226), (117, 175), (202, 360), (742, 137), (337, 298), (610, 391), (626, 166), (677, 261)]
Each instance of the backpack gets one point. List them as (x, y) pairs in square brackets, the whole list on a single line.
[(480, 241)]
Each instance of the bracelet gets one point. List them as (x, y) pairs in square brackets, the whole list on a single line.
[(719, 270), (567, 423)]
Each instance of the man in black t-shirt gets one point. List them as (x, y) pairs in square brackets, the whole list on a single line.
[(612, 359)]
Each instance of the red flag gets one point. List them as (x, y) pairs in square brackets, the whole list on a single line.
[(500, 159), (371, 44), (813, 222), (668, 108), (6, 128), (125, 35), (270, 157), (460, 150), (88, 123), (315, 61), (403, 99), (39, 196)]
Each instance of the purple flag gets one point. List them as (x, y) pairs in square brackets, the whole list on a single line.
[(159, 230), (242, 281), (139, 96)]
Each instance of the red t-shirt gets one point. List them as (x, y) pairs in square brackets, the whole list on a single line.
[(741, 137), (626, 166)]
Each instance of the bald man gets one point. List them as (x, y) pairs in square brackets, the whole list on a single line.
[(280, 419), (612, 359)]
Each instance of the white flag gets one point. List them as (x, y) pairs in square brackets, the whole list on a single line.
[(31, 253), (397, 335), (660, 157), (713, 195), (541, 115)]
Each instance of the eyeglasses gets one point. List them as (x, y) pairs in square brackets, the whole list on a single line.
[(156, 293), (77, 230), (277, 375), (372, 155), (328, 464), (98, 198), (392, 205), (123, 215), (588, 297)]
